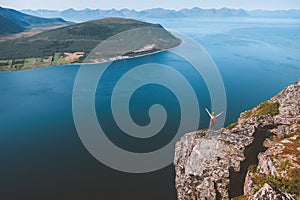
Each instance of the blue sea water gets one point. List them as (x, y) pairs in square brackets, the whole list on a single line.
[(41, 155)]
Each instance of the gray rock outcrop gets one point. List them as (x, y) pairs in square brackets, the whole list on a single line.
[(203, 160), (214, 164)]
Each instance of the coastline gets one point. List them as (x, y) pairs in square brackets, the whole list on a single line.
[(142, 55), (107, 60)]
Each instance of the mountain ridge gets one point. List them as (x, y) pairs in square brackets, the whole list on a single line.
[(89, 14), (9, 27), (13, 21)]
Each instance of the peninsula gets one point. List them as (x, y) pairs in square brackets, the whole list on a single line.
[(120, 38)]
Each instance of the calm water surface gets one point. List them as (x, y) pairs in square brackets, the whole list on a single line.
[(41, 155)]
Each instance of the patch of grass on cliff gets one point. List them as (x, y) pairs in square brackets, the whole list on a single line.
[(284, 165), (247, 114), (289, 183), (297, 140), (291, 149), (240, 198), (231, 126), (266, 108), (295, 181), (252, 168)]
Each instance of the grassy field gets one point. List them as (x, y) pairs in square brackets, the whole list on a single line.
[(30, 63)]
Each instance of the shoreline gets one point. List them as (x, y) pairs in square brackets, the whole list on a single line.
[(138, 56), (101, 62)]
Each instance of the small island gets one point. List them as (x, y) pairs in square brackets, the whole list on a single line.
[(77, 43)]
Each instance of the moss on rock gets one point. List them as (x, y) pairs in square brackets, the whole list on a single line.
[(266, 108)]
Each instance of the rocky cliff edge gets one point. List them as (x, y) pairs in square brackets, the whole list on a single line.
[(258, 157)]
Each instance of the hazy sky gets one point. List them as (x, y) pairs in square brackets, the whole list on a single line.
[(146, 4)]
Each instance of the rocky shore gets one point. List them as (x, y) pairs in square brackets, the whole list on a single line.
[(258, 157)]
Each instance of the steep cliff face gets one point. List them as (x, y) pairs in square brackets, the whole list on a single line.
[(256, 158)]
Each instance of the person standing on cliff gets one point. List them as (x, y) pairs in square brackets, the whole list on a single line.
[(213, 118)]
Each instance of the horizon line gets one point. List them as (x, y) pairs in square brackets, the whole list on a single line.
[(139, 10)]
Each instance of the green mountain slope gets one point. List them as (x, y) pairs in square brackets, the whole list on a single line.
[(82, 38), (8, 27), (25, 20)]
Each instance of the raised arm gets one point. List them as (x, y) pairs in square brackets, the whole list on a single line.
[(208, 112), (219, 114)]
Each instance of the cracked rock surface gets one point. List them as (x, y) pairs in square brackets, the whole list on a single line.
[(209, 163)]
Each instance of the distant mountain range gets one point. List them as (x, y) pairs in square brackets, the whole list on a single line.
[(88, 14), (12, 21)]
